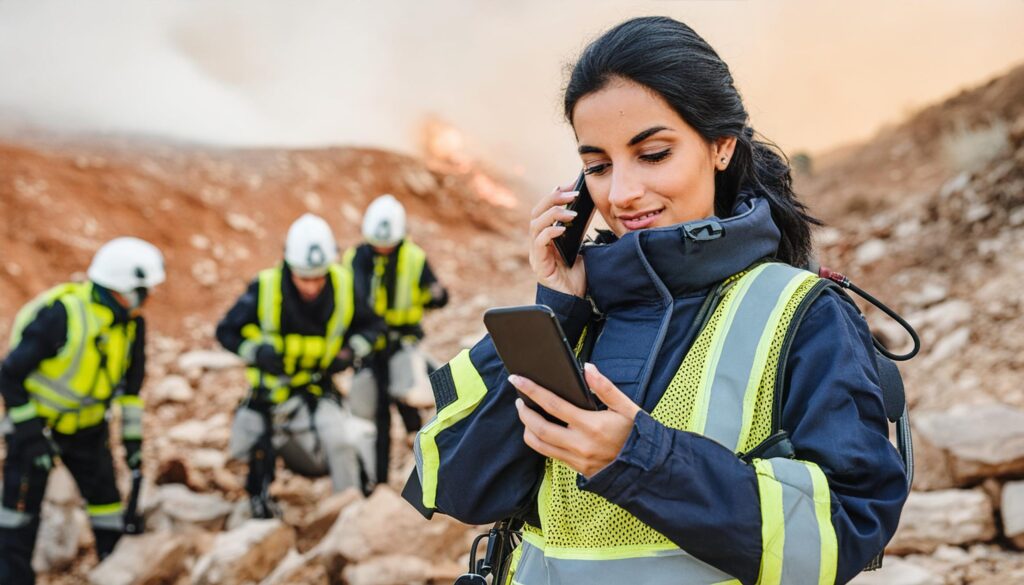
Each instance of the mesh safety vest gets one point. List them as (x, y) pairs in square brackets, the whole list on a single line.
[(725, 389), (71, 390), (305, 357)]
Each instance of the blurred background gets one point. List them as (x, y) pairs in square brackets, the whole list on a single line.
[(208, 127)]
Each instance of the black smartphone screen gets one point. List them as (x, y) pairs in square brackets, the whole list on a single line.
[(568, 244), (530, 342)]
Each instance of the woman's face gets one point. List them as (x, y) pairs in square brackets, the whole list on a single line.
[(645, 166)]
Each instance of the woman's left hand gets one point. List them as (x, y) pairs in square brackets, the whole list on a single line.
[(593, 438)]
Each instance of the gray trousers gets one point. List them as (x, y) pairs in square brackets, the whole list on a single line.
[(331, 441)]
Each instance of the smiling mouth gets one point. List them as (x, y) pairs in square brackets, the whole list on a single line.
[(641, 221)]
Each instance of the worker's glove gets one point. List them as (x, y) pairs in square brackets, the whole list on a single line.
[(29, 442), (268, 360), (360, 346), (133, 453)]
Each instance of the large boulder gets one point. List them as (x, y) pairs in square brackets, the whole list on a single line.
[(170, 389), (148, 559), (57, 540), (203, 359), (896, 571), (385, 524), (212, 432), (246, 554), (981, 441), (933, 469), (324, 516), (295, 570), (931, 519), (61, 489), (1012, 510), (175, 507), (400, 570)]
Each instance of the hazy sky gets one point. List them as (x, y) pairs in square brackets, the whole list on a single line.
[(814, 73)]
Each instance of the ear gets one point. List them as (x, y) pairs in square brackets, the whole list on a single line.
[(723, 149)]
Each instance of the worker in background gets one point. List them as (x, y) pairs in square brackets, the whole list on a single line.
[(397, 279), (296, 325), (74, 349)]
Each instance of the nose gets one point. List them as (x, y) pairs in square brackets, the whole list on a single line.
[(625, 189)]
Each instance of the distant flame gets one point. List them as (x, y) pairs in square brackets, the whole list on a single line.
[(444, 148), (489, 190)]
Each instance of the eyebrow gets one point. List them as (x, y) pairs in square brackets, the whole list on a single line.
[(587, 149)]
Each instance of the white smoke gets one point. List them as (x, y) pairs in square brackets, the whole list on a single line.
[(319, 72)]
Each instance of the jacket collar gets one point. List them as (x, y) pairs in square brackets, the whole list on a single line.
[(658, 264), (104, 297)]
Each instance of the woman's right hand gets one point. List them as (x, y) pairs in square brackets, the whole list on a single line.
[(545, 260)]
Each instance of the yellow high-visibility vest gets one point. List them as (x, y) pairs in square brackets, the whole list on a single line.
[(407, 306), (71, 390), (724, 390), (304, 357)]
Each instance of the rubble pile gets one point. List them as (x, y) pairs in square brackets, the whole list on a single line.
[(939, 240), (946, 250)]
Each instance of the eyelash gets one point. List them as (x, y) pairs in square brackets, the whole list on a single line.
[(655, 157)]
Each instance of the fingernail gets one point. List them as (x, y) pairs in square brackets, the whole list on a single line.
[(519, 403), (571, 212), (570, 194), (514, 380), (589, 367)]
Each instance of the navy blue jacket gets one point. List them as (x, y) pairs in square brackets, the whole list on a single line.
[(650, 285)]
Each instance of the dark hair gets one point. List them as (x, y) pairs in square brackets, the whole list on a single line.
[(671, 59)]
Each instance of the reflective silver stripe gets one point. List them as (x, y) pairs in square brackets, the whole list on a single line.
[(801, 558), (13, 518), (737, 362), (65, 391), (671, 567), (418, 455), (62, 385), (131, 422), (107, 521)]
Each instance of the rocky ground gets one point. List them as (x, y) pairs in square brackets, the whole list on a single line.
[(929, 216)]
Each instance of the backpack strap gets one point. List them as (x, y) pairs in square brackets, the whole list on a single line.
[(889, 380)]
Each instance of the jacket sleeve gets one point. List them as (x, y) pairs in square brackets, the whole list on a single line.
[(41, 339), (366, 326), (128, 398), (818, 518), (437, 294), (244, 313), (471, 460)]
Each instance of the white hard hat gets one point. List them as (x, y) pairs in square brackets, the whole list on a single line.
[(310, 248), (125, 264), (384, 222)]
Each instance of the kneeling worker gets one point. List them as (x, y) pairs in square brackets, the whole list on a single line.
[(74, 349), (296, 325)]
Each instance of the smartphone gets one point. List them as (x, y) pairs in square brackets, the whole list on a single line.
[(531, 343), (568, 244)]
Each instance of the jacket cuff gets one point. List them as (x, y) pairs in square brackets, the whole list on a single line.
[(573, 312), (646, 449)]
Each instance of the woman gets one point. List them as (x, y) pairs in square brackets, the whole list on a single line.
[(744, 439)]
